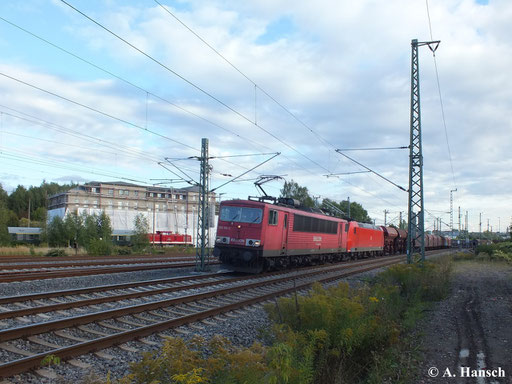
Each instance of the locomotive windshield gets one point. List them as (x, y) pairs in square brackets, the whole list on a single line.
[(241, 214)]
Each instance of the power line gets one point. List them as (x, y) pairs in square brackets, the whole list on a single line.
[(372, 171), (372, 149), (147, 92), (32, 160), (441, 99), (96, 110), (82, 136), (256, 86), (197, 87)]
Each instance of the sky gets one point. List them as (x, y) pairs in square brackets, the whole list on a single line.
[(126, 90)]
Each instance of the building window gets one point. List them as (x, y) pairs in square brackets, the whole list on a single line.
[(135, 205), (156, 207), (76, 200), (111, 192), (119, 205), (136, 193)]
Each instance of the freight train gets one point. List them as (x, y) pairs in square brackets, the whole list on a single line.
[(255, 236)]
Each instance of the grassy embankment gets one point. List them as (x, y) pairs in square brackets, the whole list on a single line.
[(500, 252), (334, 335), (40, 251)]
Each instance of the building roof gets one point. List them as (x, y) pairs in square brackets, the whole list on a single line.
[(24, 230)]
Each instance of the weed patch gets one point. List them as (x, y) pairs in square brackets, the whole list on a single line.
[(332, 335)]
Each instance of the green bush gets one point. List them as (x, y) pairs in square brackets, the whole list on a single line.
[(100, 247), (56, 252), (123, 250)]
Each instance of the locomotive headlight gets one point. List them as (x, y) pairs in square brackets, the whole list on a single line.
[(222, 240), (252, 243)]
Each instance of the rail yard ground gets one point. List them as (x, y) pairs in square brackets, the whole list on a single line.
[(469, 327)]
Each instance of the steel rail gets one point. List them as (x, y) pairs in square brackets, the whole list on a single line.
[(23, 276), (134, 295), (29, 258), (34, 329), (27, 363), (102, 288), (49, 264)]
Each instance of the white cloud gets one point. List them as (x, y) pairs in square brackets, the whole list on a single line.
[(344, 69)]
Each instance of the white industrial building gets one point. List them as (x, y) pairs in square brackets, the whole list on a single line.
[(166, 209)]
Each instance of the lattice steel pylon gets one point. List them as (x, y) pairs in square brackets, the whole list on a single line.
[(416, 228), (202, 246)]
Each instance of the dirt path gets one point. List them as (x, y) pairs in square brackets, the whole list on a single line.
[(470, 333)]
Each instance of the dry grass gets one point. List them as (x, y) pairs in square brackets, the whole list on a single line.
[(24, 250)]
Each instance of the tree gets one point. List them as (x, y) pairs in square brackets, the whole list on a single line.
[(295, 191), (40, 214), (357, 212), (104, 226), (18, 201), (5, 239), (4, 197), (57, 233), (140, 238), (74, 225)]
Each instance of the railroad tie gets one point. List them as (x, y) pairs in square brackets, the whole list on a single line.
[(93, 331), (79, 364), (47, 373), (37, 340), (11, 348), (127, 348), (23, 320), (147, 342), (110, 326), (129, 322), (69, 336), (140, 317), (196, 326), (153, 313), (181, 330), (104, 355)]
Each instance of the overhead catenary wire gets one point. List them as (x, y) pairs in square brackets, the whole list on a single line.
[(441, 98), (328, 143), (147, 93), (121, 120), (192, 84), (372, 171), (256, 86), (132, 84)]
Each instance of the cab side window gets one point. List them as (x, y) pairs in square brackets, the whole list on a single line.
[(272, 217)]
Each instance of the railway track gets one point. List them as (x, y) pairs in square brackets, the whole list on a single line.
[(86, 263), (22, 258), (84, 333), (37, 274)]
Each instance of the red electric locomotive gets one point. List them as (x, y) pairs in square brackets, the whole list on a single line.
[(253, 236), (364, 240), (168, 238)]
